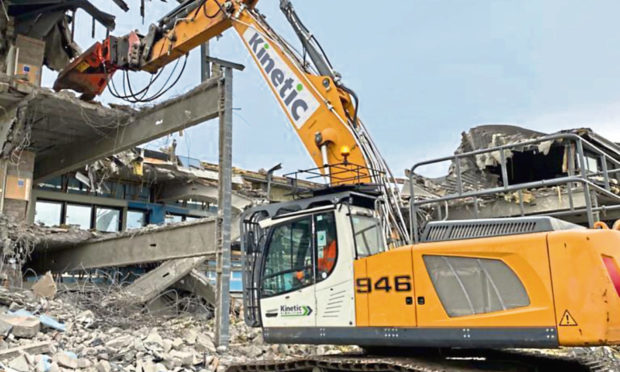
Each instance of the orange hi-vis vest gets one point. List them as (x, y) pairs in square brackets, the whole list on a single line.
[(326, 263)]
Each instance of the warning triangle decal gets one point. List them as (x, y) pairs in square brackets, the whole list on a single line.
[(567, 320)]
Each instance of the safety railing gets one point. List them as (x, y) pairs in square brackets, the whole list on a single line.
[(581, 176), (332, 175)]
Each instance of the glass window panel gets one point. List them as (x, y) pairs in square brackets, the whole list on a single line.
[(468, 286), (236, 283), (368, 236), (47, 213), (326, 244), (288, 265), (108, 219), (78, 215), (51, 184), (136, 219)]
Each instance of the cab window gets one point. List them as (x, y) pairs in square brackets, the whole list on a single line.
[(368, 236), (326, 244), (289, 262)]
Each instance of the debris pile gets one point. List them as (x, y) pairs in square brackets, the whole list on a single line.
[(61, 334), (538, 164)]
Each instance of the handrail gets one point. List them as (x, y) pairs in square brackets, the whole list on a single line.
[(583, 177)]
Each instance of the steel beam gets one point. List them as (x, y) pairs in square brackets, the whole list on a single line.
[(224, 211), (194, 107), (190, 239)]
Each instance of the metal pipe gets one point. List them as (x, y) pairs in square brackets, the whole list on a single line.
[(413, 217), (583, 172), (495, 190), (325, 159), (605, 173), (582, 210)]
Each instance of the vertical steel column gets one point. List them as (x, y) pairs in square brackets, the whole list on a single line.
[(570, 158), (605, 174), (224, 210), (205, 68), (583, 173), (413, 215)]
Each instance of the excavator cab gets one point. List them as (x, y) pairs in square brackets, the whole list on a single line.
[(299, 257)]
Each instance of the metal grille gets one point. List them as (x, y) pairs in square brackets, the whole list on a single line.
[(470, 229)]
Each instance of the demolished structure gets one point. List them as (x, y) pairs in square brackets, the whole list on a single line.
[(144, 232), (502, 170)]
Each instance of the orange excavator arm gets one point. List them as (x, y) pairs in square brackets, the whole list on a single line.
[(318, 108), (321, 109)]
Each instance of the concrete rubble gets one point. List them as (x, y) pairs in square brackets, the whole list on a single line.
[(126, 339), (525, 163)]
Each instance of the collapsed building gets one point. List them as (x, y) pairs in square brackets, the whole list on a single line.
[(509, 171)]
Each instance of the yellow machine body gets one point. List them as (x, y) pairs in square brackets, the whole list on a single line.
[(564, 273)]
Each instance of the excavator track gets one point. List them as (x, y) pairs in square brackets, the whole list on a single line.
[(584, 359)]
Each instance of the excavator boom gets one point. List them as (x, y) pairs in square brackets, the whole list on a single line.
[(321, 109)]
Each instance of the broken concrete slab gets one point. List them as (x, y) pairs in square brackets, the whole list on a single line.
[(149, 285), (196, 106), (45, 287), (67, 360), (34, 348), (198, 284), (22, 326), (20, 363)]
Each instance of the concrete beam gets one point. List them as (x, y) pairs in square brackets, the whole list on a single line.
[(199, 285), (189, 239), (77, 198), (149, 285), (194, 107), (202, 192)]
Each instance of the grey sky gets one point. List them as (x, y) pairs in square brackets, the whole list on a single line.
[(424, 71)]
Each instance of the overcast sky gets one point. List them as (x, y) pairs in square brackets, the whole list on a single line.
[(424, 71)]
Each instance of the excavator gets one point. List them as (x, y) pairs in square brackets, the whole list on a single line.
[(342, 266)]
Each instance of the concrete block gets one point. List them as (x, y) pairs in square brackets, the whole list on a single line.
[(45, 286), (22, 326)]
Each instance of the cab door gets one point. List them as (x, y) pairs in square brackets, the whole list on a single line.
[(287, 296), (334, 277)]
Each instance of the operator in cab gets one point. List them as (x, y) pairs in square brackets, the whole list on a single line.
[(327, 251)]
